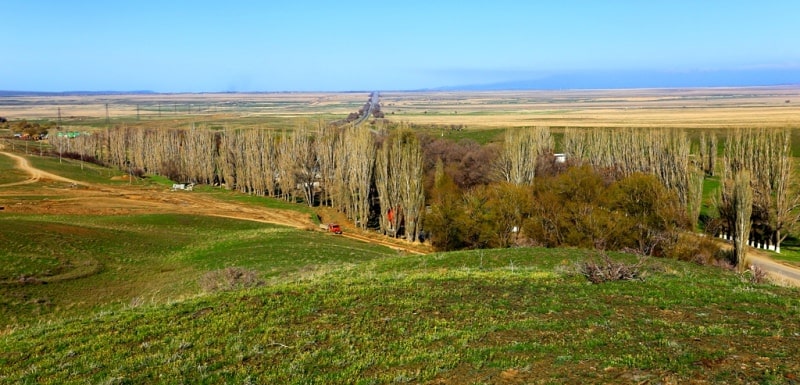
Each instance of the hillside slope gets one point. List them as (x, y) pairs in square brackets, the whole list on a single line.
[(501, 316)]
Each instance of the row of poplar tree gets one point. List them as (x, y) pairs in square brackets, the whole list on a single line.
[(368, 175), (757, 199), (372, 177)]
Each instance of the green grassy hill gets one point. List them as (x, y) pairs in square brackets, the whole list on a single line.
[(500, 316), (78, 263)]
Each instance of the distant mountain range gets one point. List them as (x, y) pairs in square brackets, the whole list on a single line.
[(569, 81), (642, 79)]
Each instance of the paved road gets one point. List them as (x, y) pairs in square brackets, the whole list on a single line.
[(787, 274), (374, 99)]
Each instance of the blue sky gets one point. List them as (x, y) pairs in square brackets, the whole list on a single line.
[(202, 46)]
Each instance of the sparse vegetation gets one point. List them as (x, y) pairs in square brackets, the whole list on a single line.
[(453, 318), (229, 278)]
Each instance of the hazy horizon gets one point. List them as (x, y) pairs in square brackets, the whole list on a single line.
[(241, 46)]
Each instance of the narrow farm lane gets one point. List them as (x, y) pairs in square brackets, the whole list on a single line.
[(35, 174)]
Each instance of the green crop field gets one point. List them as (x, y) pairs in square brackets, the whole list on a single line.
[(500, 316)]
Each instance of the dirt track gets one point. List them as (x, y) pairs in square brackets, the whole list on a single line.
[(75, 197), (35, 174)]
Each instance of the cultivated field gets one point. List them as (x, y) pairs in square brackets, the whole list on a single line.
[(689, 108)]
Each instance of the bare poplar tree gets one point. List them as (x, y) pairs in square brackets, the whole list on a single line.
[(338, 189), (297, 165), (305, 162), (786, 197), (136, 137), (742, 204), (199, 149), (226, 162), (766, 154), (361, 146), (388, 185), (118, 147), (398, 178), (575, 144), (708, 152), (412, 193), (521, 150), (695, 196), (327, 144)]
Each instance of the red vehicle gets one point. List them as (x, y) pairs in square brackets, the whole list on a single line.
[(334, 228)]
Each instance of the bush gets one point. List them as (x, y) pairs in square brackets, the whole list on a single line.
[(756, 275), (610, 270), (78, 156), (172, 170), (692, 248), (229, 278)]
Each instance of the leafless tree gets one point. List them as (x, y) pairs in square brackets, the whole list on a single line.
[(521, 149), (398, 178)]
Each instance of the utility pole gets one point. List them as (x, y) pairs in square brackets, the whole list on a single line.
[(137, 112), (107, 120), (58, 127)]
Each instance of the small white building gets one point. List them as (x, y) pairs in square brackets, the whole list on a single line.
[(182, 186)]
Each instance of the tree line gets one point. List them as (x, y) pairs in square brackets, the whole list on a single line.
[(634, 189), (373, 178)]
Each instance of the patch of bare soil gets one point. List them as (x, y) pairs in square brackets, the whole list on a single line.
[(84, 198)]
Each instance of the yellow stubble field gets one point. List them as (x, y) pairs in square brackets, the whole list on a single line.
[(687, 108)]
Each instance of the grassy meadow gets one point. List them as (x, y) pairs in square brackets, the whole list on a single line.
[(496, 316), (10, 174), (81, 263)]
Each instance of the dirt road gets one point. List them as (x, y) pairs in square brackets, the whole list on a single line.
[(35, 174)]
